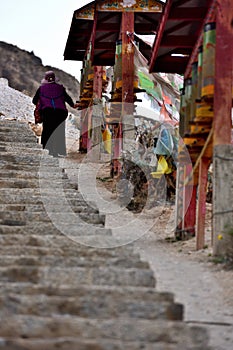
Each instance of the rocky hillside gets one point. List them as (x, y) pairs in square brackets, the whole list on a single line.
[(24, 71)]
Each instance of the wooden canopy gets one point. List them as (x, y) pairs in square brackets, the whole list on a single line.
[(100, 21), (178, 32)]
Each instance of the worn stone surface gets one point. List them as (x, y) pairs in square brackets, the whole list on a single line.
[(223, 204), (58, 294)]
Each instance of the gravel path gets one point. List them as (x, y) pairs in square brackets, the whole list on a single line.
[(205, 290)]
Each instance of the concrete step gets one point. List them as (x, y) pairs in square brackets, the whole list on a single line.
[(30, 235), (20, 218), (20, 145), (13, 148), (16, 130), (81, 261), (10, 137), (77, 207), (37, 195), (32, 175), (103, 303), (72, 343), (37, 191), (78, 275), (14, 124), (26, 289), (35, 183), (171, 333), (34, 168), (25, 159), (61, 246)]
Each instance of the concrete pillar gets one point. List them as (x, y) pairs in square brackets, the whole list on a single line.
[(96, 135), (223, 201)]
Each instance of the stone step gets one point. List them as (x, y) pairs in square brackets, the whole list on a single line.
[(62, 246), (171, 333), (78, 275), (67, 205), (35, 183), (32, 175), (77, 207), (20, 218), (101, 304), (72, 343), (69, 249), (14, 124), (81, 261), (56, 189), (16, 131), (10, 137), (34, 168), (37, 196), (6, 147), (53, 191), (27, 159), (13, 148), (46, 233)]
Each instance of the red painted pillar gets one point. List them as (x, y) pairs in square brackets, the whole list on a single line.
[(201, 206), (97, 82), (127, 57), (127, 29), (223, 73)]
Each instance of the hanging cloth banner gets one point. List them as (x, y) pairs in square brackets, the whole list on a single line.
[(164, 92)]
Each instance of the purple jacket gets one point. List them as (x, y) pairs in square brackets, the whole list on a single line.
[(52, 96)]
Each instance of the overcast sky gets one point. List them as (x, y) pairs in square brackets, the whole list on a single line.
[(42, 27)]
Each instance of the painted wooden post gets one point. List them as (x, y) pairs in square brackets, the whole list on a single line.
[(127, 57), (201, 204), (190, 206), (223, 73), (128, 76), (96, 136)]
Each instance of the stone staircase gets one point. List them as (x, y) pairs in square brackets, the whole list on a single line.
[(58, 294)]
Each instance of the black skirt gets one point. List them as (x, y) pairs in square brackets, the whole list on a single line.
[(53, 134)]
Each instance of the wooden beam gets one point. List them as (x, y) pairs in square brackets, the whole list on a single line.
[(188, 14), (127, 56), (176, 27), (107, 45), (223, 74), (178, 41), (115, 27), (106, 35), (93, 34), (103, 27), (202, 154), (162, 24), (181, 2)]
